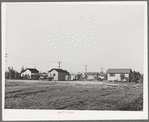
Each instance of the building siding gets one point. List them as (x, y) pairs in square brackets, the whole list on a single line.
[(27, 72), (117, 77), (73, 77), (51, 74), (61, 76)]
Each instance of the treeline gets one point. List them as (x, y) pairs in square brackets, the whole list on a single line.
[(136, 77), (13, 74)]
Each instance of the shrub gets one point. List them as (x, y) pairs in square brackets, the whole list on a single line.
[(50, 78), (115, 80)]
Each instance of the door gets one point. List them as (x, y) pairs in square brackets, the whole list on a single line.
[(54, 77)]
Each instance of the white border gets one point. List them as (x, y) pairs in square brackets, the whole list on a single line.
[(11, 115), (3, 25)]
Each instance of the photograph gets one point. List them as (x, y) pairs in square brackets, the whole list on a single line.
[(74, 60)]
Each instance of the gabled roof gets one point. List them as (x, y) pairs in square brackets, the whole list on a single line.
[(119, 71), (33, 70), (91, 73), (59, 70)]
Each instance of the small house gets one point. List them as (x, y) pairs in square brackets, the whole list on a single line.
[(30, 73), (58, 74), (91, 75), (119, 74), (74, 76)]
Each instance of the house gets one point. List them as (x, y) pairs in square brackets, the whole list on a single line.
[(43, 76), (58, 74), (119, 74), (73, 76), (91, 75), (30, 73)]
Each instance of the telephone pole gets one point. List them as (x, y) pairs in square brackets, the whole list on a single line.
[(6, 55), (101, 69), (85, 68), (59, 64)]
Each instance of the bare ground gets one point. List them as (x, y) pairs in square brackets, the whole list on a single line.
[(73, 95)]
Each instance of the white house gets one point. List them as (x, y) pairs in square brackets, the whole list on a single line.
[(30, 73), (58, 74), (73, 76), (119, 74)]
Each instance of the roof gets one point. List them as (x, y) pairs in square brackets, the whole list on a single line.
[(59, 70), (119, 71), (91, 73), (33, 70)]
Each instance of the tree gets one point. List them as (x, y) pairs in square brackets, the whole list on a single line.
[(22, 69), (135, 76), (19, 76), (103, 74), (6, 75), (11, 72), (16, 75)]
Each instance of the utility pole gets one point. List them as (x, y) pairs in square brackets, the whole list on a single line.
[(6, 55), (101, 69), (85, 68), (59, 64)]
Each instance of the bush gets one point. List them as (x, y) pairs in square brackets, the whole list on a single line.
[(50, 78), (115, 80)]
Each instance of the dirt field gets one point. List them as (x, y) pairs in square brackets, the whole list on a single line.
[(73, 95)]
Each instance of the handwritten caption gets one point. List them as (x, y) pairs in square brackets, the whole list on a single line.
[(65, 112)]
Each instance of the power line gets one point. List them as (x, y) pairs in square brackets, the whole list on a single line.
[(101, 69)]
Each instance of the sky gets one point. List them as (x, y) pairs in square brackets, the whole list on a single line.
[(97, 35)]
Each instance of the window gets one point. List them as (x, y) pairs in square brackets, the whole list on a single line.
[(53, 75), (112, 75)]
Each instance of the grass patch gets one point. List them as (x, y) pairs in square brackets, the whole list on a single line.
[(71, 97)]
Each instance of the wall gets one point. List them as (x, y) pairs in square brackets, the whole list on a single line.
[(66, 77), (116, 77), (27, 72), (73, 77), (50, 74), (61, 76)]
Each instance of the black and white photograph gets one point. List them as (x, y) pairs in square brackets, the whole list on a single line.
[(74, 60)]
